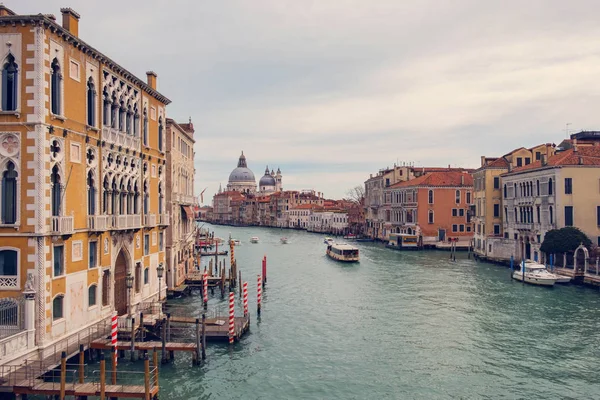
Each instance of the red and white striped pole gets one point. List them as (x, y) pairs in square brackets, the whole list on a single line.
[(231, 316), (113, 334), (258, 294), (205, 287), (264, 270), (245, 290)]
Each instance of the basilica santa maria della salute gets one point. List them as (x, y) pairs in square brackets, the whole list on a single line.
[(242, 180)]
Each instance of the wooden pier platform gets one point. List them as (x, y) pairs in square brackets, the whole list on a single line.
[(216, 331), (105, 344), (83, 389)]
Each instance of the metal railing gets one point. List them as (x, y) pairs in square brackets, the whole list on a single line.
[(126, 380), (32, 374), (12, 316), (70, 344)]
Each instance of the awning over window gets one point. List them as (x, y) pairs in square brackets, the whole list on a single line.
[(188, 212)]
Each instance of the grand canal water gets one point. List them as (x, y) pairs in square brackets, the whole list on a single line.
[(397, 325)]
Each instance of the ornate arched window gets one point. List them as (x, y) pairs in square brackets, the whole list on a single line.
[(57, 307), (145, 129), (105, 195), (10, 75), (114, 197), (136, 199), (106, 107), (55, 87), (91, 189), (129, 121), (129, 198), (56, 191), (551, 215), (160, 133), (92, 292), (505, 191), (9, 194), (430, 197), (91, 103), (122, 113), (160, 199), (122, 198), (136, 122), (114, 113), (550, 187), (146, 198)]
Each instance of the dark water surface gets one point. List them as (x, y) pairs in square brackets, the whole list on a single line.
[(397, 325)]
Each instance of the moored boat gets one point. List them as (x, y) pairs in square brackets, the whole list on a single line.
[(403, 241), (342, 252), (535, 274), (254, 239)]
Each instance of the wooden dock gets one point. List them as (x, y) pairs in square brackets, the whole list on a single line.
[(83, 390), (216, 330), (105, 344)]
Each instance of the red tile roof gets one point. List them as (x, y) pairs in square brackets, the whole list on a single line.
[(439, 179), (585, 155)]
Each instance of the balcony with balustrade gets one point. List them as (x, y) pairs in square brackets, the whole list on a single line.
[(118, 138), (122, 222), (99, 223), (61, 225), (163, 219), (149, 220)]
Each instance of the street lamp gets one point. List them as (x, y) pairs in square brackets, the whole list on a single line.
[(159, 272), (129, 284)]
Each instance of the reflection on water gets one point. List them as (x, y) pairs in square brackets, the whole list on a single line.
[(396, 325)]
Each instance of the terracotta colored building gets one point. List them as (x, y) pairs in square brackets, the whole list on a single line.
[(435, 206)]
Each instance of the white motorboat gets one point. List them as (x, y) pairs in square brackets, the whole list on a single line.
[(254, 239), (284, 240), (535, 274), (342, 252), (562, 278), (328, 241), (236, 242)]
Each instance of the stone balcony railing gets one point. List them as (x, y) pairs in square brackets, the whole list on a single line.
[(184, 198), (163, 219), (126, 221), (150, 220), (118, 138), (62, 225), (99, 222)]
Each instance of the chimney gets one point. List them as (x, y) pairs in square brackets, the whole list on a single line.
[(151, 79), (575, 145), (483, 161), (580, 160), (462, 179), (70, 20)]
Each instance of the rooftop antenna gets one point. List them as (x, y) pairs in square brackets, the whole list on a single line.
[(567, 129)]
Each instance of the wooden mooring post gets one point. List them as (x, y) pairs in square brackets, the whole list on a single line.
[(102, 377), (81, 363), (155, 365), (146, 376), (114, 365), (63, 374), (132, 339), (204, 336), (164, 341), (198, 343)]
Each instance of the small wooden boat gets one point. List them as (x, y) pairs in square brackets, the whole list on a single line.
[(212, 253)]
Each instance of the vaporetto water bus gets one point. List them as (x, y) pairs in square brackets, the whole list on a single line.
[(342, 252)]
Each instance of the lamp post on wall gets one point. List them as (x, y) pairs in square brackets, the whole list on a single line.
[(129, 284), (159, 272)]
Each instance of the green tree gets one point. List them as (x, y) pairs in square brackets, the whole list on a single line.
[(564, 240)]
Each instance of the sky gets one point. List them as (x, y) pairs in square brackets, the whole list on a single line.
[(331, 91)]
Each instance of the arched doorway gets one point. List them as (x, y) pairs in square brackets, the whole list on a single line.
[(120, 285)]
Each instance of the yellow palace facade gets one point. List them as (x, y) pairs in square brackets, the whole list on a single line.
[(82, 162)]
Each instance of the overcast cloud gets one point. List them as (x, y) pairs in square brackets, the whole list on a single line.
[(331, 91)]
